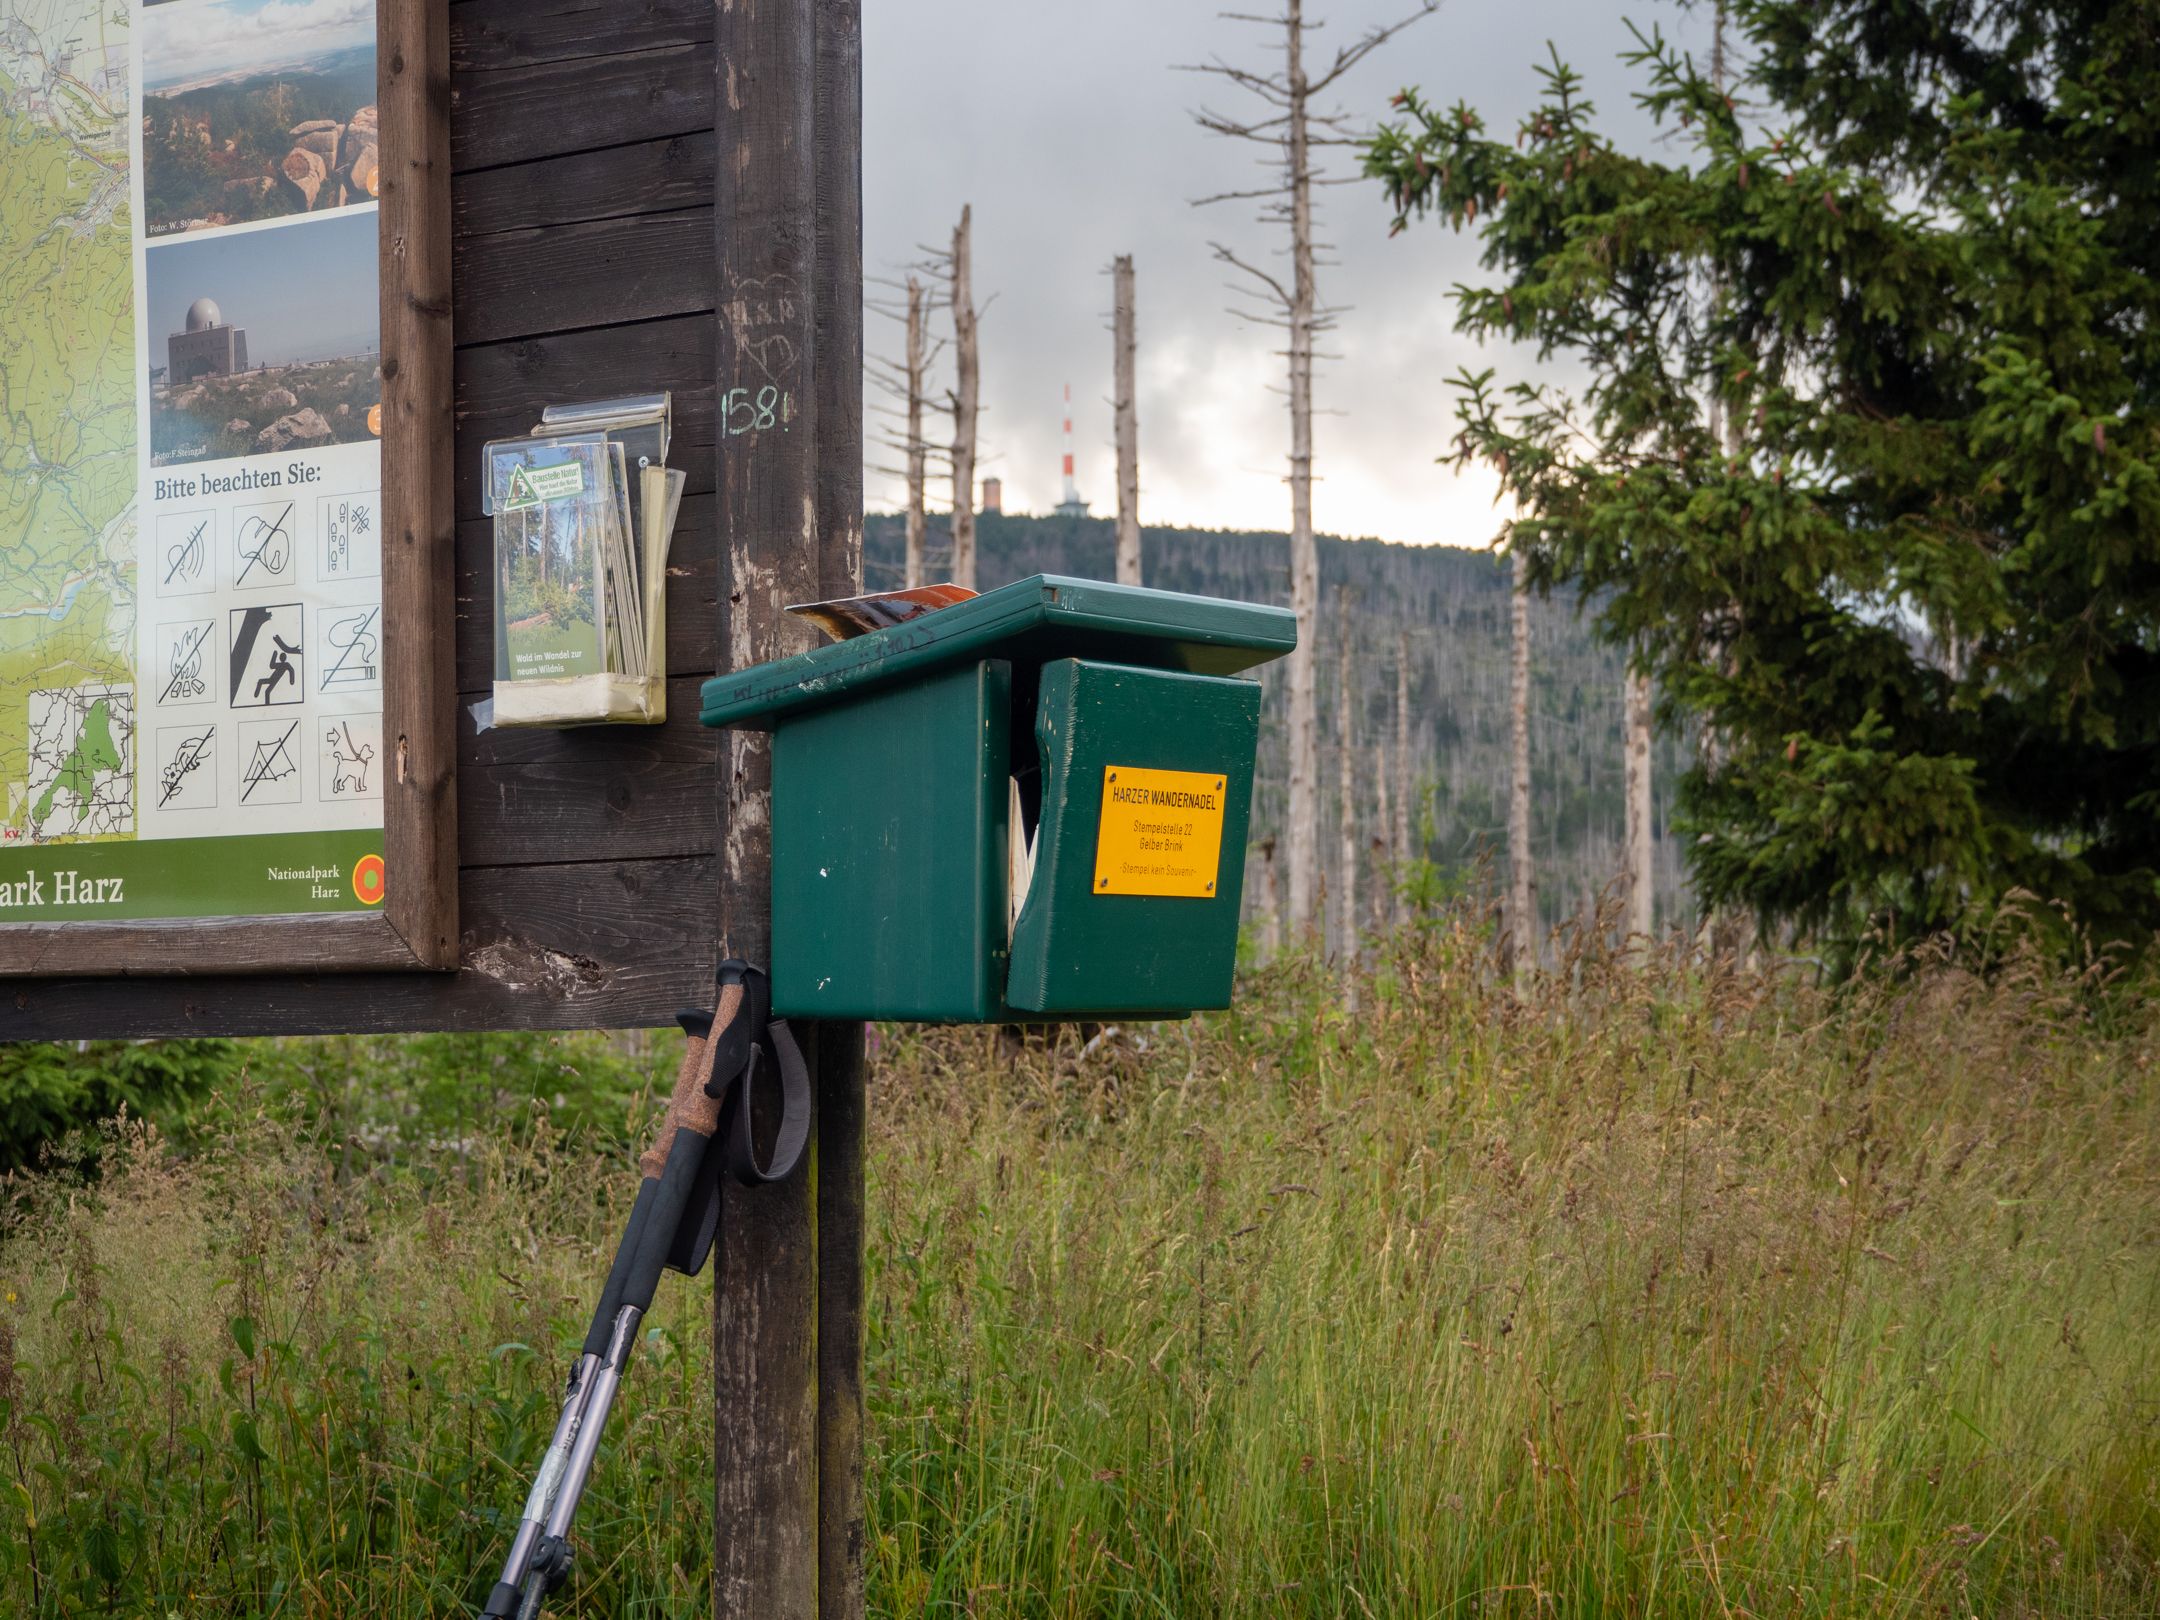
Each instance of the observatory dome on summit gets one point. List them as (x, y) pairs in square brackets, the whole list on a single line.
[(208, 348)]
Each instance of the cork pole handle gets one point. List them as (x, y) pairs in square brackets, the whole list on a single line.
[(690, 1109)]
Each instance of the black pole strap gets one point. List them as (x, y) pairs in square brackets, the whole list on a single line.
[(754, 1041), (739, 1127)]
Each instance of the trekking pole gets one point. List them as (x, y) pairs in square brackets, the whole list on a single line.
[(671, 1225)]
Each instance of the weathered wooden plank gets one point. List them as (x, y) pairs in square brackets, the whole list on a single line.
[(692, 599), (535, 815), (176, 947), (602, 273), (419, 697), (603, 945), (651, 177), (766, 1441), (513, 378), (555, 107), (635, 792), (489, 35)]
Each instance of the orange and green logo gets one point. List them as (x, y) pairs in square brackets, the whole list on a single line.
[(367, 880)]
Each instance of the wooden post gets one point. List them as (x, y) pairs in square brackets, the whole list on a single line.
[(788, 378), (842, 1115)]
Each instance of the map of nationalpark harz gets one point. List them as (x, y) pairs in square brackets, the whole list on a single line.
[(67, 424)]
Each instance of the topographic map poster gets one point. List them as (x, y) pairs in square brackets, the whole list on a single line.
[(191, 642)]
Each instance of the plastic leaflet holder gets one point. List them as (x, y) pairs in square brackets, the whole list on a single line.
[(643, 424), (581, 541)]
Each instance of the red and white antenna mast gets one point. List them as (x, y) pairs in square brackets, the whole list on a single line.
[(1072, 505)]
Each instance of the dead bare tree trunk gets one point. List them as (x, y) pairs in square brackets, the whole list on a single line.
[(918, 452), (1384, 873), (1271, 931), (1639, 871), (967, 398), (1304, 549), (1127, 408), (1522, 885), (908, 381), (1346, 910), (1292, 126), (1404, 777)]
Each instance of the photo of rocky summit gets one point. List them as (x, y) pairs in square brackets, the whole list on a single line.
[(264, 341), (256, 109)]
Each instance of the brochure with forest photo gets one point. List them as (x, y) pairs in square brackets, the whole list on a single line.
[(556, 511)]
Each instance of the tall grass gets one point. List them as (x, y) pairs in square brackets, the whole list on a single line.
[(1663, 1292)]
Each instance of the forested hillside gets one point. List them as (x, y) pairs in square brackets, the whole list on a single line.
[(1449, 608)]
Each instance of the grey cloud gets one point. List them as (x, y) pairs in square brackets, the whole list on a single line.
[(1070, 132)]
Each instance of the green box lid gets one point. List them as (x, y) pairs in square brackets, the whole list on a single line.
[(1030, 621)]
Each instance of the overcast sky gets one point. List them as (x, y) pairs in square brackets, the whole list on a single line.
[(191, 42), (1071, 133)]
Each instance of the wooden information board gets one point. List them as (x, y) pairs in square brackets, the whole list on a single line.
[(546, 230), (550, 226), (220, 510)]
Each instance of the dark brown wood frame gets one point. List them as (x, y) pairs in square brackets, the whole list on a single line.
[(416, 928)]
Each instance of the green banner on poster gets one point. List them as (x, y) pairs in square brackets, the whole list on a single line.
[(269, 875)]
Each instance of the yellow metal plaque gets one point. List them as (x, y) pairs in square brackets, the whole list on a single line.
[(1161, 832)]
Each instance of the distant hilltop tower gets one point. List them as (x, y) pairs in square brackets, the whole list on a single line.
[(993, 497), (208, 348), (1072, 505)]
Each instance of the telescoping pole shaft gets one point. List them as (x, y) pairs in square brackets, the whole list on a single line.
[(552, 1464), (577, 1400), (672, 1165)]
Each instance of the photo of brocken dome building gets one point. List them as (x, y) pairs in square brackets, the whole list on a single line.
[(208, 348)]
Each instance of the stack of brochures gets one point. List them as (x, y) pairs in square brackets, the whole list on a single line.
[(584, 511)]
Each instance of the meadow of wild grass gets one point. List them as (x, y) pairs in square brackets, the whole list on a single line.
[(1658, 1292)]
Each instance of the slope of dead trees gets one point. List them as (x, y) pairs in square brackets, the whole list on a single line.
[(1286, 114), (1431, 671)]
